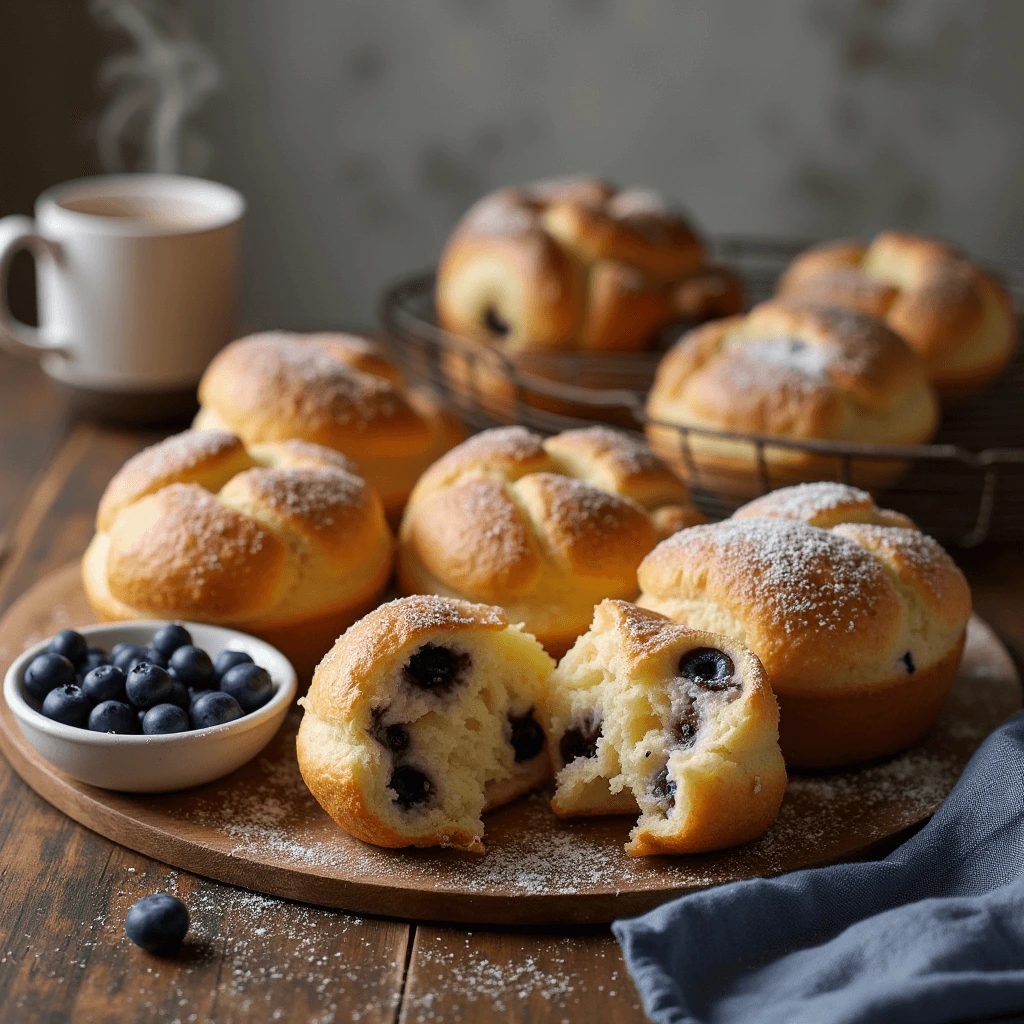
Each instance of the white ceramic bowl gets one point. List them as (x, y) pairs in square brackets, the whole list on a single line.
[(156, 764)]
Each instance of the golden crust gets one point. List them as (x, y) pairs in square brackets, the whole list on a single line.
[(283, 538), (544, 528), (334, 390), (824, 503), (958, 318), (831, 613), (792, 370), (574, 264), (727, 783)]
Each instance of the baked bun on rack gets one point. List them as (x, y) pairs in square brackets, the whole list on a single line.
[(958, 318), (824, 503), (284, 540), (336, 390), (680, 725), (544, 528), (860, 627), (796, 371), (421, 718), (574, 264)]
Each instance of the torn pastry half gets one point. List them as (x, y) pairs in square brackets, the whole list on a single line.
[(425, 714), (680, 725)]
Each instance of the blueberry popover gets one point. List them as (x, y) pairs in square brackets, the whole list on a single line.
[(680, 725), (860, 625), (425, 714)]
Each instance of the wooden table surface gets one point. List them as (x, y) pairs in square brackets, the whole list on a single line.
[(64, 891)]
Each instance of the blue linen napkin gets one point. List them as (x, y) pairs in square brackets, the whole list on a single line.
[(933, 933)]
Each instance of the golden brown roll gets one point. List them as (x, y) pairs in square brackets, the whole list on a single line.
[(543, 528), (824, 503), (576, 264), (860, 627), (284, 540), (421, 718), (681, 726), (791, 370), (958, 318), (335, 390)]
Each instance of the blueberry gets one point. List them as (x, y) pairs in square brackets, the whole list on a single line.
[(46, 672), (215, 708), (113, 716), (250, 685), (527, 736), (149, 685), (127, 656), (227, 660), (104, 683), (580, 741), (435, 667), (662, 789), (412, 788), (165, 718), (158, 924), (167, 639), (154, 657), (180, 695), (93, 659), (191, 665), (709, 668), (194, 695), (71, 644), (67, 704)]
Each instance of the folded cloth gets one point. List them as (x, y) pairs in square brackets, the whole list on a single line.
[(932, 933)]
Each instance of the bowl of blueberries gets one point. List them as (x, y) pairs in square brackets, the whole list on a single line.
[(150, 707)]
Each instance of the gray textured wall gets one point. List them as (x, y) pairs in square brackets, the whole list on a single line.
[(360, 130)]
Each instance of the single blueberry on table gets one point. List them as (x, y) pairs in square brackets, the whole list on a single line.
[(215, 708), (113, 716), (167, 639), (149, 685), (46, 672), (227, 660), (93, 659), (163, 719), (105, 683), (250, 685), (127, 656), (191, 665), (158, 924), (68, 705), (71, 644)]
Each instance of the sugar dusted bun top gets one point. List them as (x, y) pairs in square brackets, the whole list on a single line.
[(822, 608), (797, 369), (823, 503)]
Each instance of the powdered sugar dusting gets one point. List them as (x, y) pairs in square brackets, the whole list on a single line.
[(805, 501), (314, 496), (800, 357), (799, 576)]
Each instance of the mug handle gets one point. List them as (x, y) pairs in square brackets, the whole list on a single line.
[(17, 233)]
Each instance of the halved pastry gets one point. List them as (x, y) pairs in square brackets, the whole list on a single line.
[(422, 717), (681, 725)]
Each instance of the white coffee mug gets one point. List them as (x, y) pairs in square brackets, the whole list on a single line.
[(137, 280)]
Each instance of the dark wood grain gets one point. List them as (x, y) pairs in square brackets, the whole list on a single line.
[(457, 975)]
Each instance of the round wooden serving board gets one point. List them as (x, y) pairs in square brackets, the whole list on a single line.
[(260, 828)]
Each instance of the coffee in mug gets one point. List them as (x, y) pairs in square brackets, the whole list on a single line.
[(137, 282)]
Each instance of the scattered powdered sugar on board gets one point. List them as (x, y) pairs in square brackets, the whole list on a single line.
[(272, 818)]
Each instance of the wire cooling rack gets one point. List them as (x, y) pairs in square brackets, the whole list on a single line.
[(965, 488)]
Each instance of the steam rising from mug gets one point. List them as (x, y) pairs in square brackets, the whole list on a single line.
[(156, 87)]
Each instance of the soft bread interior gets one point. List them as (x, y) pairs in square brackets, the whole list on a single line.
[(428, 763), (693, 761)]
